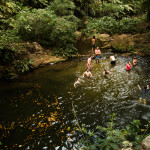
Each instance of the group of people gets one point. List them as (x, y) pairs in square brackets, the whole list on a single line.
[(97, 55), (129, 65)]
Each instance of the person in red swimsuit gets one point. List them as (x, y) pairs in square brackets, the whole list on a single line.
[(128, 66)]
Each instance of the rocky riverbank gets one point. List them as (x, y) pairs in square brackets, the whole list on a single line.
[(126, 43), (32, 55)]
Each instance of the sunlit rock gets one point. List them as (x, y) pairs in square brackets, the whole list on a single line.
[(146, 144)]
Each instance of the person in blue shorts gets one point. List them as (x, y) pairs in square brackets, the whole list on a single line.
[(97, 54)]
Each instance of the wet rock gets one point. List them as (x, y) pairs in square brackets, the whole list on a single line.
[(34, 47), (146, 144), (105, 39), (78, 35)]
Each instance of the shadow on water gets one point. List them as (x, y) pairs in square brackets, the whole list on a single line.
[(36, 110)]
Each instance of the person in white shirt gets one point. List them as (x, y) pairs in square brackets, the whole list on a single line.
[(112, 60)]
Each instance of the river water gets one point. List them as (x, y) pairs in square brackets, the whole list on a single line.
[(36, 109)]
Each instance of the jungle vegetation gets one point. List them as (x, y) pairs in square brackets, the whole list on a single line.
[(53, 23)]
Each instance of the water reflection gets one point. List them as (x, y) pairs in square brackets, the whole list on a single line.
[(36, 110)]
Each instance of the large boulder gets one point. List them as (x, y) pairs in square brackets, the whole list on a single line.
[(146, 143), (104, 40), (34, 47), (131, 42), (123, 43)]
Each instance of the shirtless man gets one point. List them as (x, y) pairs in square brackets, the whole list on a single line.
[(97, 54), (89, 62), (135, 61), (93, 44), (87, 74), (112, 60)]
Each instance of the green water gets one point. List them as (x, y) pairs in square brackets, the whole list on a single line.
[(36, 109)]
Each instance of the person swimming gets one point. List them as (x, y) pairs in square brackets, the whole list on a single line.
[(77, 82), (106, 72), (87, 73), (135, 61), (144, 94)]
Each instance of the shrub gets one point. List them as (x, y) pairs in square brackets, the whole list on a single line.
[(111, 25), (6, 52), (23, 65), (48, 29), (113, 138), (35, 25), (128, 25)]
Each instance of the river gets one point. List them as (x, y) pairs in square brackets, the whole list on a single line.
[(36, 109)]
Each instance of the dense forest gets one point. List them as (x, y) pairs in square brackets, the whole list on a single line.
[(56, 25)]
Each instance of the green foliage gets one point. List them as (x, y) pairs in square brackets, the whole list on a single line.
[(23, 65), (63, 36), (111, 26), (46, 28), (34, 25), (7, 52), (62, 9), (117, 9), (7, 10), (35, 3), (146, 8), (114, 138)]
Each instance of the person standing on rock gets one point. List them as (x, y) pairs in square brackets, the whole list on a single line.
[(93, 44)]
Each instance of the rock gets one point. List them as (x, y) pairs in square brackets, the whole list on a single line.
[(78, 35), (34, 47), (104, 37), (123, 43), (106, 45), (146, 143)]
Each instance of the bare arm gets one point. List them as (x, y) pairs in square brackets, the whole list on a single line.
[(139, 87), (75, 84), (91, 74), (83, 74), (109, 72), (148, 87)]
